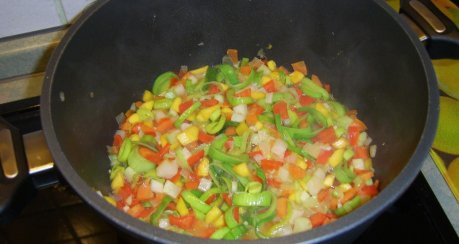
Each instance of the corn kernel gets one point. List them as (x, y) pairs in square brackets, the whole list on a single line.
[(147, 96), (242, 169), (329, 179), (176, 104), (296, 76), (265, 79), (241, 128), (203, 167), (340, 143), (188, 136), (257, 95), (303, 184), (135, 137), (301, 163), (213, 215), (292, 197), (336, 157), (271, 65), (199, 71), (134, 118), (179, 183)]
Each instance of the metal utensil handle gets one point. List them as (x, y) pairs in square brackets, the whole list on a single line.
[(15, 184), (439, 33)]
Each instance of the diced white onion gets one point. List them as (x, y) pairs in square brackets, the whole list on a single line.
[(183, 126), (235, 117), (133, 107), (340, 143), (156, 186), (167, 169), (186, 153), (258, 157), (128, 200), (170, 95), (368, 141), (159, 115), (269, 98), (358, 163), (265, 147), (204, 184), (291, 159), (219, 98), (120, 118), (126, 208), (278, 149), (163, 223), (283, 174), (171, 189), (301, 224), (193, 79), (313, 149), (373, 151), (233, 186), (296, 213), (129, 174), (179, 90), (315, 184)]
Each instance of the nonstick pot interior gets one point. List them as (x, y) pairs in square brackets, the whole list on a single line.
[(114, 52)]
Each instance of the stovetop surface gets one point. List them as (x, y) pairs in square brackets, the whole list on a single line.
[(56, 214)]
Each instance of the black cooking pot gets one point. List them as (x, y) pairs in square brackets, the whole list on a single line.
[(111, 55)]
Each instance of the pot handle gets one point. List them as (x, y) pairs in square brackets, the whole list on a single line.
[(15, 184), (437, 31)]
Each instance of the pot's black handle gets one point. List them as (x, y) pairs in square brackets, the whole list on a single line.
[(439, 33), (15, 184)]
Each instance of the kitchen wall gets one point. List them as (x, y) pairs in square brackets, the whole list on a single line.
[(23, 16)]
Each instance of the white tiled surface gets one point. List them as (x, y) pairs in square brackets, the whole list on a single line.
[(22, 16)]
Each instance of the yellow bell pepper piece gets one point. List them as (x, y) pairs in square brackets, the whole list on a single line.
[(242, 169), (336, 157), (265, 79), (147, 96), (258, 125), (220, 222), (329, 179), (181, 207), (118, 181), (204, 114), (110, 200), (199, 71), (135, 137), (147, 105), (176, 104), (344, 187), (134, 118), (322, 109), (257, 95), (301, 163), (213, 215), (296, 76), (175, 146), (148, 123), (228, 112), (241, 128), (271, 65), (188, 136), (203, 167), (274, 75), (163, 140)]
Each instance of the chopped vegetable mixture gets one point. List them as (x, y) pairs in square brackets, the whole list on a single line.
[(241, 150)]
